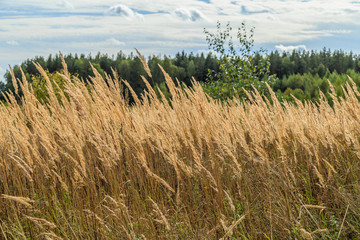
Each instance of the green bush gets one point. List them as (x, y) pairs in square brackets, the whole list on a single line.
[(237, 69), (39, 86)]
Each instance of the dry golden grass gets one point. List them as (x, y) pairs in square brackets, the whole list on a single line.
[(95, 167)]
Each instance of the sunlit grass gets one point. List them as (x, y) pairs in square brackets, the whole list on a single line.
[(95, 167)]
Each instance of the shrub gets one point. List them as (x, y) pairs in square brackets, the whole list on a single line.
[(237, 69)]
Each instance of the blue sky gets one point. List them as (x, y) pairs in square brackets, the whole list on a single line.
[(38, 28)]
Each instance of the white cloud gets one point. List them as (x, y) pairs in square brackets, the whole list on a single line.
[(124, 11), (342, 31), (65, 4), (290, 48), (115, 42), (189, 14), (13, 43)]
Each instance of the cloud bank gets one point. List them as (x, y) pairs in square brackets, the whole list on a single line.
[(13, 43), (124, 11), (290, 48), (84, 26), (113, 41), (190, 14)]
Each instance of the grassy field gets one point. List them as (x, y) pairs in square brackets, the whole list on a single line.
[(95, 167)]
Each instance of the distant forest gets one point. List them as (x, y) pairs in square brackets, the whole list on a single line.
[(301, 73)]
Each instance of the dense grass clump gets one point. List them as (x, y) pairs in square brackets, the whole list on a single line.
[(91, 166)]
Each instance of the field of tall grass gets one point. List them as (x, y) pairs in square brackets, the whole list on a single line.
[(96, 167)]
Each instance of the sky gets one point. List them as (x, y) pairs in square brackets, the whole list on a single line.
[(30, 28)]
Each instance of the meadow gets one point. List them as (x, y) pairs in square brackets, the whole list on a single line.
[(89, 165)]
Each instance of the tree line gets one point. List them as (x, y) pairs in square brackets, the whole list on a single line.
[(313, 62), (304, 73), (128, 67), (301, 73)]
